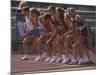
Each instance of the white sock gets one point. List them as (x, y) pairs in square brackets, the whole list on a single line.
[(44, 55)]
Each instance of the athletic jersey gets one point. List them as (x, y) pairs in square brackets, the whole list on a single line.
[(30, 26), (57, 24), (48, 27), (81, 28), (54, 21), (41, 24)]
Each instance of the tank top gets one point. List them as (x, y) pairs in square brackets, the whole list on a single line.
[(48, 27), (78, 25), (30, 26), (54, 21)]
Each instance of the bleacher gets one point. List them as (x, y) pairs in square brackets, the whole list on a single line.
[(86, 11)]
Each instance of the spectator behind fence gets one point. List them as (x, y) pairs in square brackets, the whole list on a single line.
[(20, 20)]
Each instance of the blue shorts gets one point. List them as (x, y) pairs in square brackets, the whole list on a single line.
[(38, 32)]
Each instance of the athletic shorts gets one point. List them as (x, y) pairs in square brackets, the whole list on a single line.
[(38, 32)]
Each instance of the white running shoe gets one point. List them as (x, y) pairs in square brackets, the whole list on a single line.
[(58, 60), (38, 58), (65, 61), (24, 58), (73, 61), (48, 59), (87, 60), (81, 61), (53, 59)]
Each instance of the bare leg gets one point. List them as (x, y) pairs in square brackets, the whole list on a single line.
[(26, 41)]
